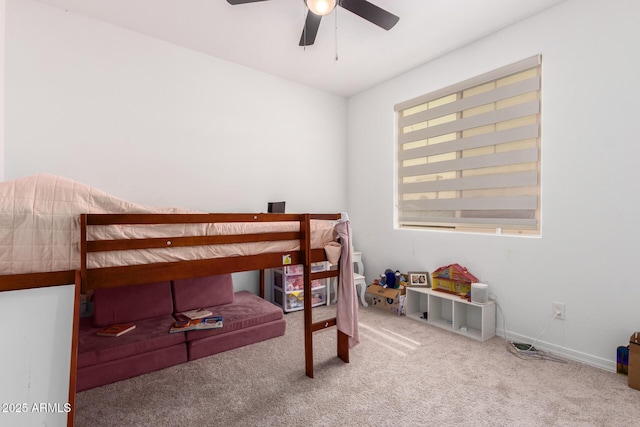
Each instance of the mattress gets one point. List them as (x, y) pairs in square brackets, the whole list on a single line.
[(40, 229)]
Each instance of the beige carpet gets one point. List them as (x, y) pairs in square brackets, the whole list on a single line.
[(403, 373)]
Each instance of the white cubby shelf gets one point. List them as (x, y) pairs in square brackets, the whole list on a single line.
[(451, 312)]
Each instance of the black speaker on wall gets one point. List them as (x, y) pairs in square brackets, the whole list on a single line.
[(275, 207)]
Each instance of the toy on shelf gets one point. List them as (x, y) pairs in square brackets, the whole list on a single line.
[(453, 279), (295, 300), (317, 298), (392, 279)]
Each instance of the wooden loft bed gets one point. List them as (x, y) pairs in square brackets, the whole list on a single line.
[(93, 277), (55, 259)]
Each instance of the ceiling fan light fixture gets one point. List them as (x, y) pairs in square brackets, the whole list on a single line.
[(321, 7)]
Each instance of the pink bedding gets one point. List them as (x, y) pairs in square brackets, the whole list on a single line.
[(40, 229)]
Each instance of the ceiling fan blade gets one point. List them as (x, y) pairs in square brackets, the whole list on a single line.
[(371, 13), (234, 2), (311, 25)]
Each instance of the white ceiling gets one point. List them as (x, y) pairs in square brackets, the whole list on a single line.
[(264, 35)]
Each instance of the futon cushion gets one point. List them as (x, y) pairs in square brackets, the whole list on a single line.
[(148, 335), (247, 310), (201, 292), (120, 369), (234, 339), (131, 303)]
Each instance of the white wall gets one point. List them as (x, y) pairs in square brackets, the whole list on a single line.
[(590, 201), (157, 124), (3, 7), (161, 125), (35, 356)]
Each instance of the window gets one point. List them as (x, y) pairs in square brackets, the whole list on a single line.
[(469, 154)]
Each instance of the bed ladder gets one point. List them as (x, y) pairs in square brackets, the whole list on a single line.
[(309, 325)]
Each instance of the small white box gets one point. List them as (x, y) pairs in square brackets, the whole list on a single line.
[(479, 293)]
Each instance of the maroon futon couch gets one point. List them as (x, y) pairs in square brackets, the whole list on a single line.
[(246, 317)]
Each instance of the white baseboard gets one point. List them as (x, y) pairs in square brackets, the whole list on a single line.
[(566, 353)]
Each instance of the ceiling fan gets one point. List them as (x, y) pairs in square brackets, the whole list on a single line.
[(318, 8)]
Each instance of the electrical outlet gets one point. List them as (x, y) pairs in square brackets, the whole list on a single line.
[(558, 310)]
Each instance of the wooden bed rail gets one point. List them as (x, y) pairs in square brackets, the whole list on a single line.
[(14, 282), (186, 218)]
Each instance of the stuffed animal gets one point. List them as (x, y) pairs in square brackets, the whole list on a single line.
[(392, 279), (390, 276)]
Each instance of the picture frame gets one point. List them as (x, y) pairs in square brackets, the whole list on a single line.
[(419, 279)]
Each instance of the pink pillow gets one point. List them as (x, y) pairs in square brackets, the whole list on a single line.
[(200, 292), (131, 303)]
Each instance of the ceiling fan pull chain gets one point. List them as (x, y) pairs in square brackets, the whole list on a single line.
[(336, 11), (304, 28)]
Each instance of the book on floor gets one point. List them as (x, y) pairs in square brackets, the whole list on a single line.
[(116, 330), (211, 322)]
